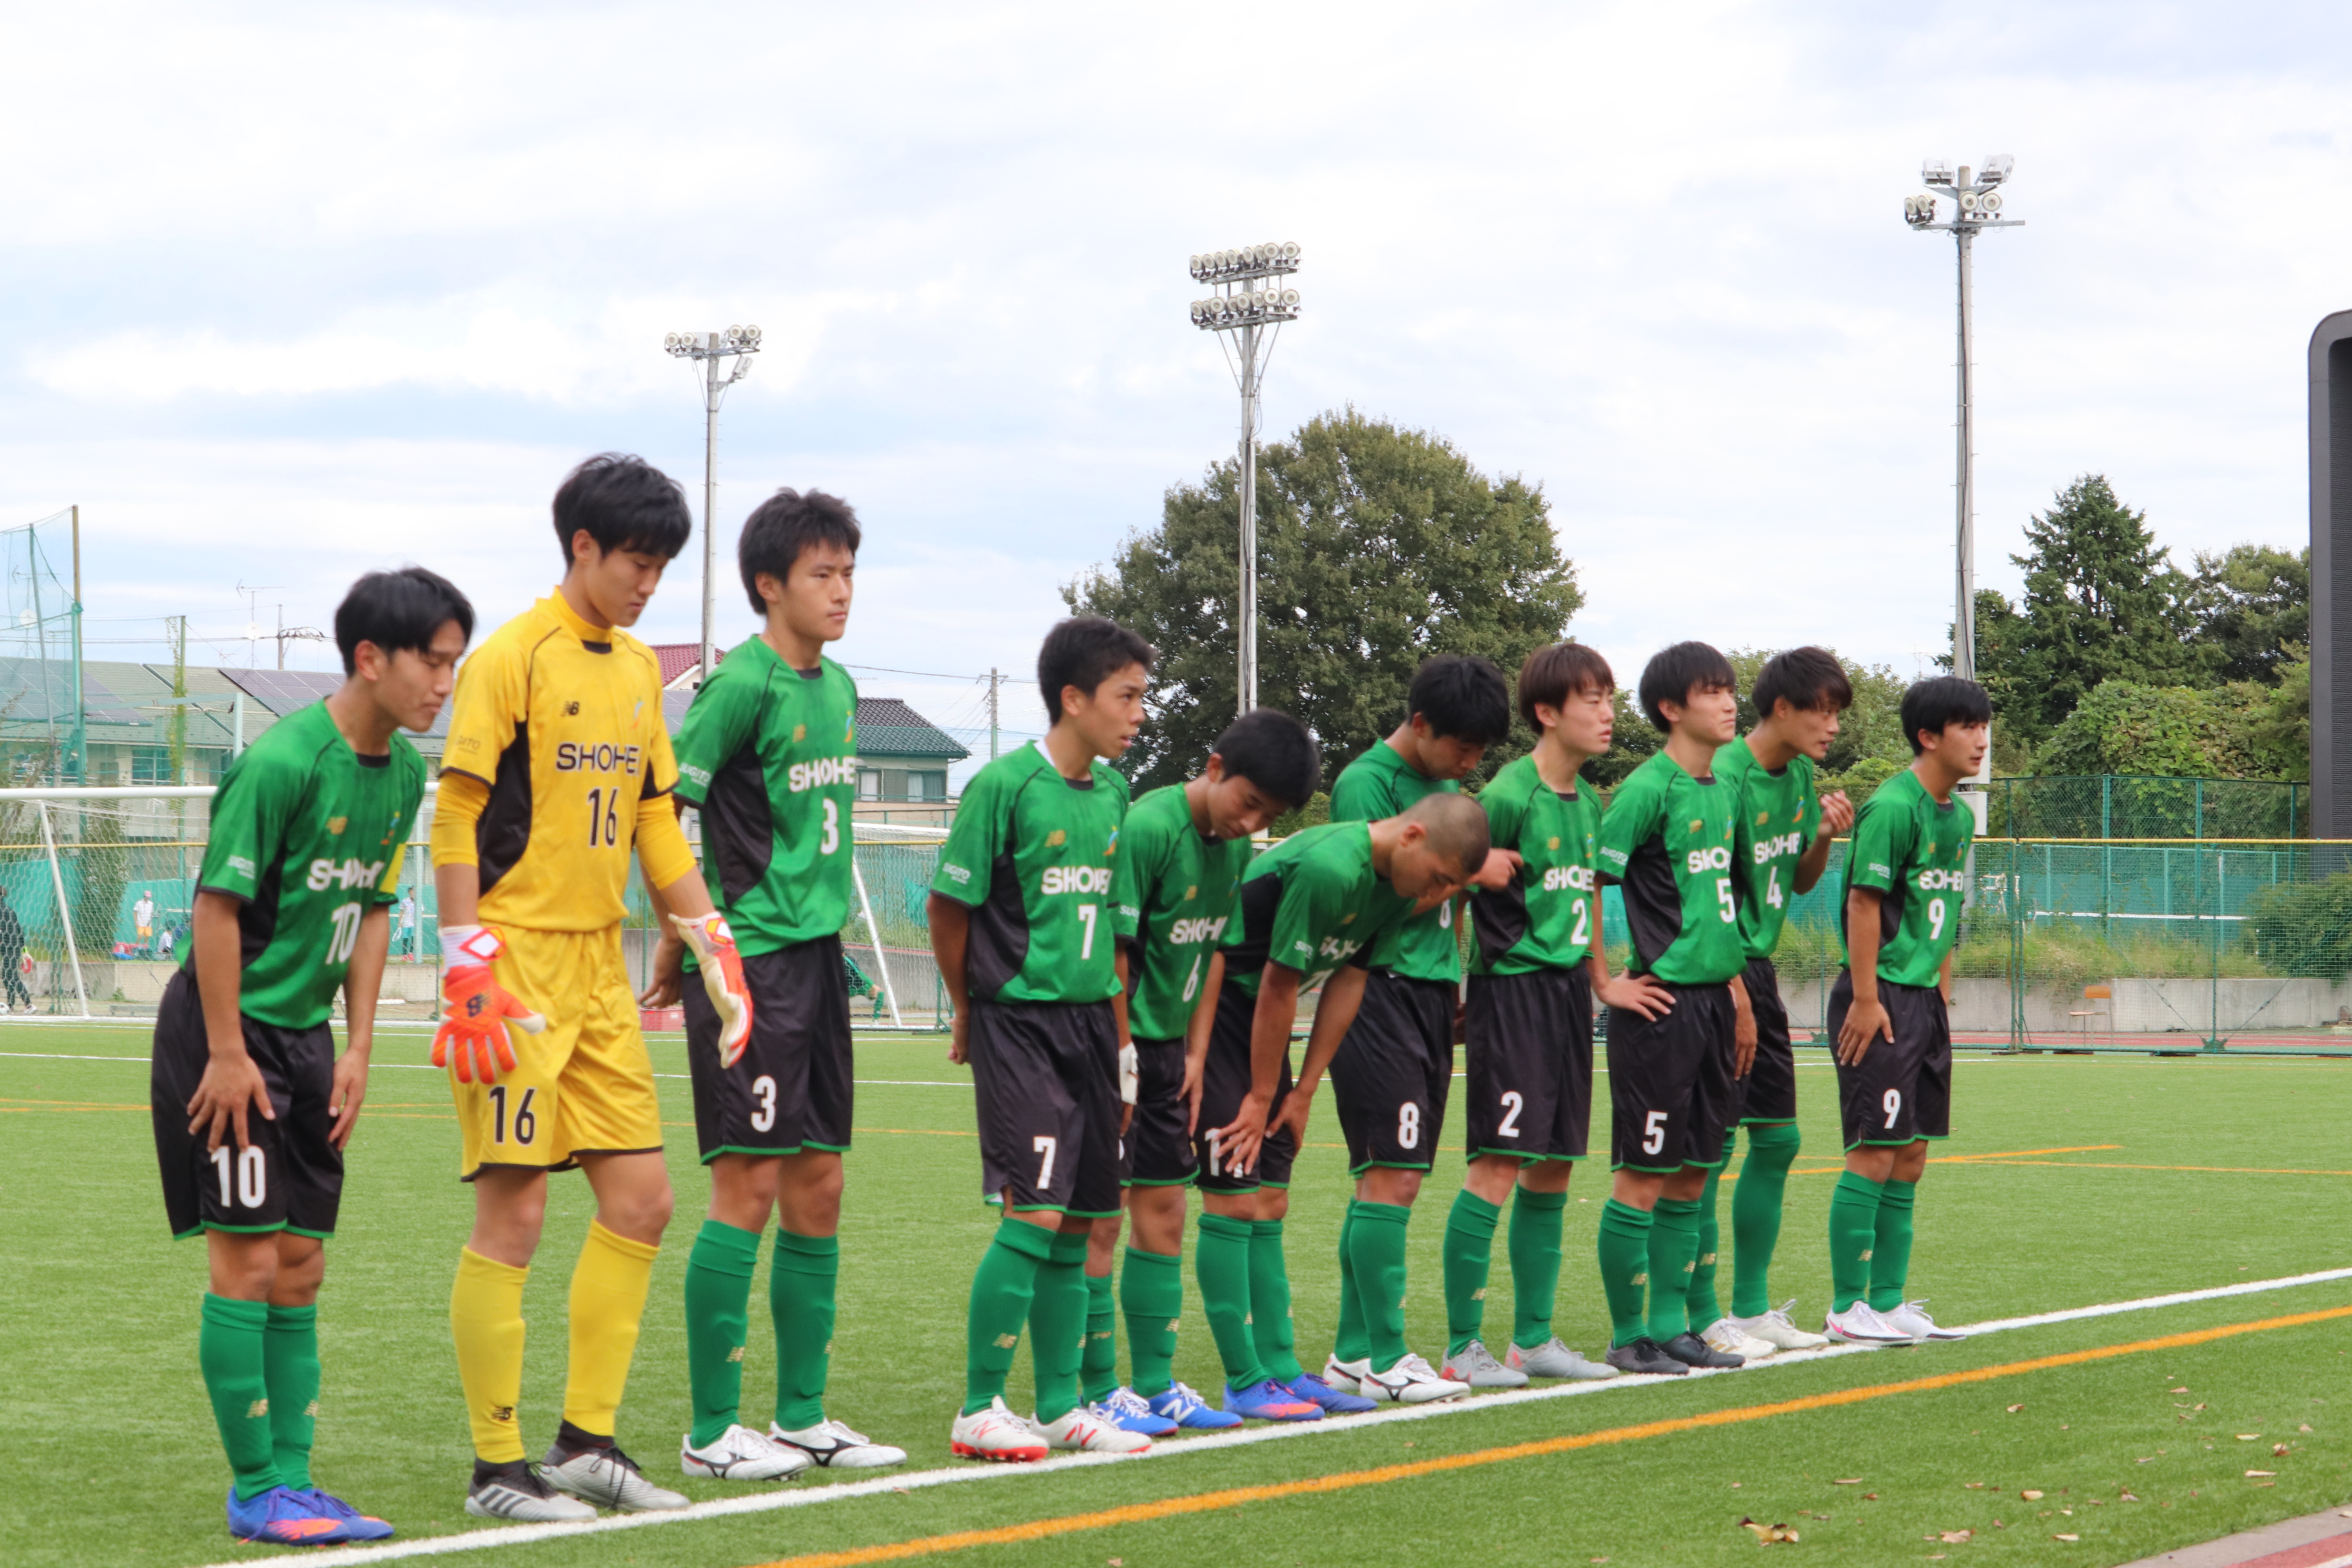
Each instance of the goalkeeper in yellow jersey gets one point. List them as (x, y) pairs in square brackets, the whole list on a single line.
[(557, 765)]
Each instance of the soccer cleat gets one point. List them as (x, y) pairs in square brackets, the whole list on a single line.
[(1779, 1330), (1336, 1373), (1125, 1410), (1179, 1404), (740, 1454), (1644, 1356), (356, 1526), (1270, 1400), (1728, 1337), (1858, 1325), (1082, 1431), (995, 1433), (1412, 1380), (282, 1517), (517, 1493), (1691, 1351), (837, 1447), (1553, 1359), (1912, 1319), (1334, 1402), (1474, 1365), (607, 1477)]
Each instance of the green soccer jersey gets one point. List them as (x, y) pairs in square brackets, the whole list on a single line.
[(1667, 838), (1311, 903), (768, 753), (1780, 816), (1175, 894), (1381, 784), (307, 836), (1032, 853), (1915, 853), (1543, 918)]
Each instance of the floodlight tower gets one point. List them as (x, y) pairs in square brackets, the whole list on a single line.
[(737, 343), (1245, 306), (1979, 208)]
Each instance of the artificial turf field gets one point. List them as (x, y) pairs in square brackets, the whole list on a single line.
[(2070, 1181)]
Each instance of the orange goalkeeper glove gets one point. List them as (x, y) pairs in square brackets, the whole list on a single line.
[(478, 1008), (722, 978)]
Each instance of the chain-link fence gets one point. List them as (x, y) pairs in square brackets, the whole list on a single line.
[(2123, 805)]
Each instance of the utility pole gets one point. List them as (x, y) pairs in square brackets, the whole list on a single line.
[(993, 679), (737, 343)]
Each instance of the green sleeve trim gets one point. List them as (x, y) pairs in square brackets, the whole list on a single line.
[(1522, 1157)]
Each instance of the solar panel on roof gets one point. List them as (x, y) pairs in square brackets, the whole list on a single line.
[(284, 690)]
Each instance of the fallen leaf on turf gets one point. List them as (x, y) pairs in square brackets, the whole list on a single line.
[(2304, 1427), (1849, 1481), (1973, 1486), (1116, 1562), (1766, 1534), (2278, 1450), (2031, 1496), (2183, 1389), (1954, 1537), (2066, 1538), (2127, 1497), (2015, 1408), (2251, 1474), (2248, 1436)]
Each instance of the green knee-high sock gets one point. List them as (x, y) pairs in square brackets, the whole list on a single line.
[(801, 1301), (1002, 1287), (1624, 1250), (1704, 1306), (1469, 1254), (1756, 1203), (1057, 1324), (290, 1366), (1853, 1229), (718, 1321), (1223, 1260), (1349, 1343), (1151, 1295), (1270, 1325), (1098, 1363), (1890, 1250), (231, 1353), (1673, 1249), (1377, 1248), (1535, 1264)]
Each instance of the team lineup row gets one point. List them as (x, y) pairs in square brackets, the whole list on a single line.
[(1125, 980)]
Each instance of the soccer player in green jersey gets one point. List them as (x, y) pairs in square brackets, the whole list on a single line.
[(1183, 853), (1667, 841), (1906, 878), (768, 754), (1023, 928), (1779, 850), (1535, 965), (252, 1107), (1394, 1071)]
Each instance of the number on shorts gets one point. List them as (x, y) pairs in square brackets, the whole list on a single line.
[(346, 934), (1772, 894), (1935, 919), (1216, 1154), (1408, 1125), (764, 1088), (249, 1184), (1513, 1104), (829, 839), (1445, 915), (526, 1122), (1046, 1147), (1193, 981), (1892, 1104), (1731, 910), (1086, 917), (1584, 931), (1653, 1132)]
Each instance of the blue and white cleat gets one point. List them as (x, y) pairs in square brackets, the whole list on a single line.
[(1190, 1411), (1270, 1400), (1127, 1410), (357, 1526), (281, 1517), (1333, 1402)]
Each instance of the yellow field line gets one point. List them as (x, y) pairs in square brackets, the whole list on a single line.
[(1348, 1480), (2213, 1170), (1972, 1159)]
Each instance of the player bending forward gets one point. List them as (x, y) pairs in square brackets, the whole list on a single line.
[(1906, 875), (252, 1109)]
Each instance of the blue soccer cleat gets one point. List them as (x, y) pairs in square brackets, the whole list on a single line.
[(1270, 1400), (1316, 1392), (1179, 1404), (1125, 1410), (357, 1526), (282, 1518)]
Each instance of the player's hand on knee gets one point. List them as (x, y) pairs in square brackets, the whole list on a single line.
[(1866, 1024), (721, 965), (231, 1088)]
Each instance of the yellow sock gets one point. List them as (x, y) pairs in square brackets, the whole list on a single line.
[(608, 1299), (486, 1321)]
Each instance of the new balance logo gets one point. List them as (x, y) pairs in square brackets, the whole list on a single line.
[(1479, 1295), (1007, 1341), (1640, 1279), (736, 1354), (1865, 1255), (257, 1410), (502, 1413)]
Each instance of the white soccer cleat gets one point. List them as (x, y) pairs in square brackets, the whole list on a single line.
[(1412, 1380), (1858, 1325), (740, 1454), (1912, 1319), (995, 1433), (607, 1477), (1082, 1431), (1553, 1359), (1779, 1330), (1728, 1336), (1342, 1374), (1476, 1365), (837, 1447), (520, 1496)]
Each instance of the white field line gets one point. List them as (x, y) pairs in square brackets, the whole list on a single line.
[(764, 1502), (422, 1067)]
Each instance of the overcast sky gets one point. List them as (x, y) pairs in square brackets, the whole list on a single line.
[(293, 291)]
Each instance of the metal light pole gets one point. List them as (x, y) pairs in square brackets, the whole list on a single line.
[(1979, 208), (709, 348), (1254, 316)]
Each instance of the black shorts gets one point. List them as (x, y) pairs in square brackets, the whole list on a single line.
[(1391, 1074), (1157, 1146), (290, 1176), (1045, 1077), (1530, 1064), (1670, 1085), (1769, 1092), (791, 1087), (1224, 1084), (1901, 1091)]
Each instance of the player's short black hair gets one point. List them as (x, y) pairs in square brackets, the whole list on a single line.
[(1456, 827), (782, 526), (1085, 651), (625, 503), (1558, 671), (1274, 752), (1941, 700), (1809, 678), (1464, 699), (397, 610), (1671, 672)]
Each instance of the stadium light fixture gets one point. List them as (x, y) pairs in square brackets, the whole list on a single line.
[(1251, 302), (706, 349)]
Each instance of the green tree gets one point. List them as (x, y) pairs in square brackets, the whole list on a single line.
[(2249, 608), (1377, 547)]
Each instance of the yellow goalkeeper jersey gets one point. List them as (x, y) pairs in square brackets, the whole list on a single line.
[(562, 721)]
